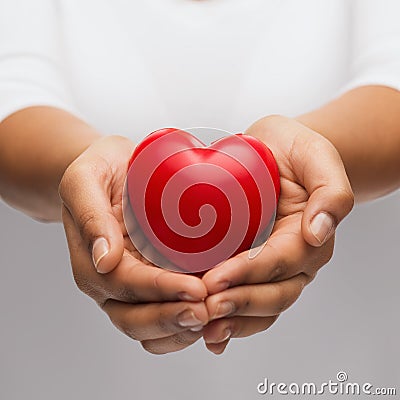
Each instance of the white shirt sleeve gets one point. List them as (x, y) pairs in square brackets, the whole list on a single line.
[(31, 63), (375, 58)]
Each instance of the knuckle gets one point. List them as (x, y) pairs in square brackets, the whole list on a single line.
[(287, 297), (125, 327), (165, 326), (120, 140), (249, 299), (86, 220), (71, 177), (310, 278), (246, 305), (320, 257), (326, 256), (346, 198), (64, 186), (246, 265), (277, 272), (130, 332), (128, 295), (281, 307), (236, 327), (158, 278), (281, 300), (79, 171), (267, 123), (273, 119), (246, 302), (85, 285), (277, 266)]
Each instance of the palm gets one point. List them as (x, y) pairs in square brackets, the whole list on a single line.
[(293, 196), (121, 209)]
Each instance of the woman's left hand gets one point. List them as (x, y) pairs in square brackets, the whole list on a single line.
[(247, 295)]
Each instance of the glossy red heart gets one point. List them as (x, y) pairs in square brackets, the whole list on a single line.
[(196, 206)]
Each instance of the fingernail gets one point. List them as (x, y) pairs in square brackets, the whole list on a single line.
[(223, 309), (187, 319), (187, 297), (322, 227), (221, 286), (226, 335), (197, 328), (100, 249)]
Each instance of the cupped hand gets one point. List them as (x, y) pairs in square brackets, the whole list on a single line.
[(161, 309), (248, 294)]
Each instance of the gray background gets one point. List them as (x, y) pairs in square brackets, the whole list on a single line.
[(56, 343)]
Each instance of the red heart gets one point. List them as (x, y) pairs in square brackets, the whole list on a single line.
[(199, 205)]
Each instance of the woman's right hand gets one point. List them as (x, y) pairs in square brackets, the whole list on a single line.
[(161, 309)]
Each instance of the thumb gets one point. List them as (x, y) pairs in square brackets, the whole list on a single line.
[(88, 202), (326, 208), (331, 197)]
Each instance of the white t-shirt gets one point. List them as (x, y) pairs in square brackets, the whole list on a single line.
[(130, 67)]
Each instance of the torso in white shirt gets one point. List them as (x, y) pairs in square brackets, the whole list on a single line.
[(219, 63), (130, 67)]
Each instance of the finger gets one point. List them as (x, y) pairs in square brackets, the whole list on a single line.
[(156, 320), (138, 241), (172, 343), (84, 193), (217, 348), (132, 281), (262, 300), (325, 179), (325, 209), (89, 190), (286, 254), (222, 330), (317, 166)]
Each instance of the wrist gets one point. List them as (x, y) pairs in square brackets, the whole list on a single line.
[(38, 144)]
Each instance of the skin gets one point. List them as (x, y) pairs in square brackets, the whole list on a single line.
[(53, 166)]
